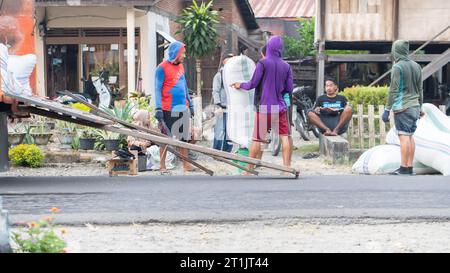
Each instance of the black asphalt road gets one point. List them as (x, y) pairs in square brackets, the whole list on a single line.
[(120, 200)]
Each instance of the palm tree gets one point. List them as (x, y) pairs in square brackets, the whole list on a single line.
[(200, 35)]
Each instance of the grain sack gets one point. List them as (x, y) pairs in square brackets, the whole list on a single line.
[(240, 108), (385, 159), (432, 139)]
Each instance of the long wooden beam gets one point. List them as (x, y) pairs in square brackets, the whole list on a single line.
[(415, 51), (101, 113), (376, 58), (437, 64), (200, 149), (63, 117), (163, 140)]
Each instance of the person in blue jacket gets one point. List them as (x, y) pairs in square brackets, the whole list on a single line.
[(174, 106)]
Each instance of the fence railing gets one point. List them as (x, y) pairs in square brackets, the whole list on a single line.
[(367, 129)]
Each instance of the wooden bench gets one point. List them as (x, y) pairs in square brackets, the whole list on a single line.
[(334, 148)]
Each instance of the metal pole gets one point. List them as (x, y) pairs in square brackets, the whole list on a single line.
[(4, 162)]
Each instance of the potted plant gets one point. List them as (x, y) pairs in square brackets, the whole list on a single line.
[(67, 131), (110, 140), (16, 134), (40, 134), (37, 121), (87, 139)]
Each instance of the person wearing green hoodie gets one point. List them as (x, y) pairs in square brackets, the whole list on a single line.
[(405, 100)]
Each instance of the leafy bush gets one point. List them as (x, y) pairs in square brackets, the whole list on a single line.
[(297, 48), (366, 96), (40, 237), (124, 113), (198, 26), (26, 155)]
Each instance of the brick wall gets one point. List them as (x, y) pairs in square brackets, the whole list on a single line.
[(230, 17)]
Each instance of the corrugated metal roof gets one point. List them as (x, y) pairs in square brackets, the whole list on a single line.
[(283, 8)]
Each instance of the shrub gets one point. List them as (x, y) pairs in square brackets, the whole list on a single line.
[(298, 48), (27, 155), (366, 96)]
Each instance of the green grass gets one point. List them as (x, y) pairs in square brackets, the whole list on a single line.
[(355, 143), (310, 148)]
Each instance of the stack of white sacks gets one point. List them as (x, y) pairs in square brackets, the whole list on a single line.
[(432, 155)]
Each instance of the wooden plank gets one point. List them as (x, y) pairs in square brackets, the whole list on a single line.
[(320, 84), (362, 6), (60, 108), (391, 119), (372, 6), (376, 58), (435, 65), (354, 6), (101, 113), (371, 113), (382, 125), (361, 126), (432, 15), (395, 19), (415, 51), (53, 115), (350, 133), (344, 6), (236, 165), (334, 6), (207, 151)]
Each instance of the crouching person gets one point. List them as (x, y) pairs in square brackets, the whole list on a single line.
[(331, 112), (141, 118)]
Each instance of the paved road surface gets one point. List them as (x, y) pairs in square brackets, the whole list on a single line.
[(121, 200)]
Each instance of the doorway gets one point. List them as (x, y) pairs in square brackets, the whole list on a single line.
[(62, 69)]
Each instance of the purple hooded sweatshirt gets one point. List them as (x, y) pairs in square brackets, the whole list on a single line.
[(272, 79)]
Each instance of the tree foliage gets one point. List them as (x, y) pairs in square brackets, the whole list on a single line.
[(198, 29), (303, 47)]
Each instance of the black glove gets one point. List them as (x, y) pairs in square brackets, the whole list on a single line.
[(191, 109), (159, 115), (385, 116)]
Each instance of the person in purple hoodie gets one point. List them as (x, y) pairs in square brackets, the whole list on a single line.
[(273, 84)]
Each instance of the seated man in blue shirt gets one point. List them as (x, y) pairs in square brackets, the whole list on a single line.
[(331, 113)]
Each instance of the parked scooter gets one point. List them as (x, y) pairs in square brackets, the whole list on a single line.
[(103, 90), (96, 91)]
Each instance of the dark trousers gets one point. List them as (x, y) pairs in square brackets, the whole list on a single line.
[(222, 143)]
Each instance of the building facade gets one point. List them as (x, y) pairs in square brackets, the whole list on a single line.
[(78, 38)]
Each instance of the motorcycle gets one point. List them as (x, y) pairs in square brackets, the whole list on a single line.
[(302, 104)]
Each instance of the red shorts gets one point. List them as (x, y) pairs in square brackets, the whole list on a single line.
[(267, 122)]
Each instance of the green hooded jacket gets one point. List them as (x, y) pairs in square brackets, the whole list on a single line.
[(406, 88)]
